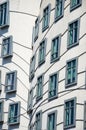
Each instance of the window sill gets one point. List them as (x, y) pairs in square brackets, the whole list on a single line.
[(10, 91), (70, 85), (38, 99), (73, 45), (13, 123), (74, 7), (70, 126), (41, 62), (4, 26), (29, 111), (58, 18), (7, 56), (52, 98), (45, 28), (31, 77), (54, 60), (36, 37)]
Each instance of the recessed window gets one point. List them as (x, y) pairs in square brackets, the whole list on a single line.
[(69, 117), (53, 84), (55, 48), (74, 4), (46, 18), (14, 112), (42, 52), (59, 7), (71, 74), (39, 120), (51, 124), (30, 99), (36, 29), (39, 87), (32, 68), (73, 33), (11, 81), (4, 14), (1, 112), (7, 47)]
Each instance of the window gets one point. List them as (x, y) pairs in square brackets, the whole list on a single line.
[(71, 74), (39, 120), (0, 81), (46, 18), (14, 112), (85, 116), (7, 47), (1, 111), (73, 33), (32, 68), (11, 81), (30, 99), (69, 117), (36, 29), (55, 48), (51, 124), (59, 7), (4, 14), (53, 83), (42, 52), (39, 87), (74, 4)]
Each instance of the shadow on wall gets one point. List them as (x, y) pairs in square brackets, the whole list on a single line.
[(13, 127), (6, 60), (3, 31)]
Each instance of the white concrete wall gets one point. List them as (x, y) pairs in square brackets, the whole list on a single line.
[(60, 27), (20, 28)]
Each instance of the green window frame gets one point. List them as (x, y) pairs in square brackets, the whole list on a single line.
[(39, 120), (59, 9), (46, 18), (14, 113), (11, 81), (74, 4), (42, 50), (69, 113), (7, 47), (4, 14), (55, 48), (73, 33), (71, 72), (51, 120), (53, 86), (39, 90), (1, 112)]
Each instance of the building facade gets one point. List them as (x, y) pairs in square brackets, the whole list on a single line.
[(15, 52), (57, 96)]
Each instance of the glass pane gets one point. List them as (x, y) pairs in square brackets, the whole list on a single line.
[(58, 8)]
